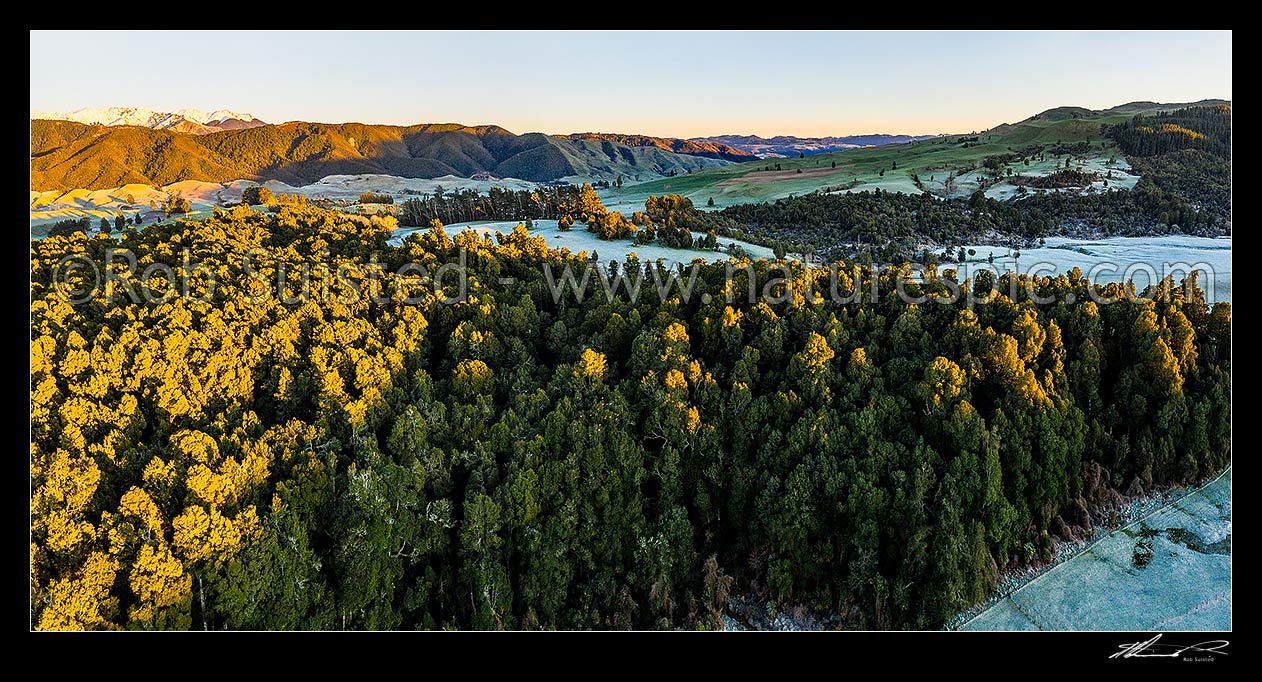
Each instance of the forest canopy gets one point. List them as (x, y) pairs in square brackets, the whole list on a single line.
[(228, 460)]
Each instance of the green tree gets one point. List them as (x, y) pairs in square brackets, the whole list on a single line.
[(256, 195), (486, 580)]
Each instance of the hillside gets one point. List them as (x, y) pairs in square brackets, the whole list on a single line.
[(1005, 162), (67, 155), (789, 145), (711, 150), (1062, 172)]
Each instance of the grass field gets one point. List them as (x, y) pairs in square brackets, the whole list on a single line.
[(49, 207), (933, 161)]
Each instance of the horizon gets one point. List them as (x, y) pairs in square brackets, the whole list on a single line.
[(1093, 70), (618, 132), (488, 125)]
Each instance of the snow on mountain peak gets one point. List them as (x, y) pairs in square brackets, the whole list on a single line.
[(199, 116), (146, 117), (141, 116)]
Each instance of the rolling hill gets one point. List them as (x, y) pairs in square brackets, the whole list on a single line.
[(711, 150), (68, 155), (947, 166), (788, 145)]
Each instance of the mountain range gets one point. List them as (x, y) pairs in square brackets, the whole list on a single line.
[(789, 145), (193, 121), (70, 155)]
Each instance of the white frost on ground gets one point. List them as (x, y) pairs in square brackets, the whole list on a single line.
[(1061, 254), (50, 207), (350, 186), (1120, 170), (1103, 588), (578, 239)]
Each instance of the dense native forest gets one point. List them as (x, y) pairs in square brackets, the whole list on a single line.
[(668, 220), (887, 225), (1186, 153), (232, 459), (1206, 129), (466, 205)]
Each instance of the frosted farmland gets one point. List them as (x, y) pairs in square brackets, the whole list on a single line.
[(579, 239), (1108, 260), (1169, 571)]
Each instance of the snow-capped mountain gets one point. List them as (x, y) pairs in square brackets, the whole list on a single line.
[(216, 116), (184, 120)]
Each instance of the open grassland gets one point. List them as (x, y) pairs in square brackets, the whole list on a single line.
[(50, 207), (133, 199), (951, 166)]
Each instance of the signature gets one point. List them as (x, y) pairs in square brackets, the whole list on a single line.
[(1153, 649)]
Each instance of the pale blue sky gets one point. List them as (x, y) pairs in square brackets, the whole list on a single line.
[(680, 84)]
